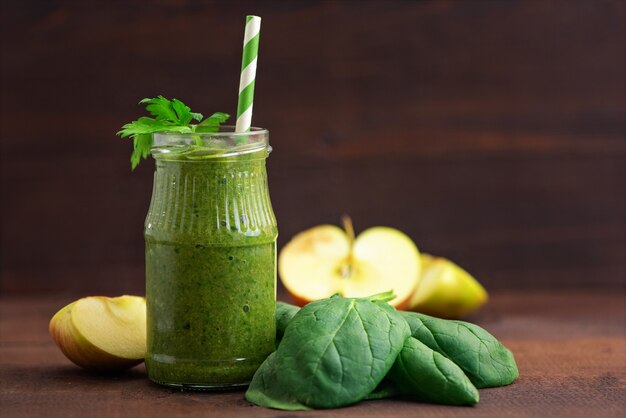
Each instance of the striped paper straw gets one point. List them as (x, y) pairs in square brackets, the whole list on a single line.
[(248, 73)]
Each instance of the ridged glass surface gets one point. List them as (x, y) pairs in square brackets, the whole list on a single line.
[(223, 203)]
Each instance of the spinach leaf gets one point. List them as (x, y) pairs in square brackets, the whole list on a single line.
[(334, 352), (387, 389), (284, 313), (264, 390), (431, 377), (479, 354)]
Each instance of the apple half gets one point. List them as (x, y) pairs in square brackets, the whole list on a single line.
[(102, 333), (326, 260), (446, 290)]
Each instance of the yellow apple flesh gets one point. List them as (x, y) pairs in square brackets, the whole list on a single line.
[(446, 290), (322, 261), (102, 333)]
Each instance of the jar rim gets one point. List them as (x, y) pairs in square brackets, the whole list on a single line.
[(225, 142), (224, 131)]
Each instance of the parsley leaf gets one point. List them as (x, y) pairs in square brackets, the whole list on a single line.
[(141, 148), (169, 116), (212, 123)]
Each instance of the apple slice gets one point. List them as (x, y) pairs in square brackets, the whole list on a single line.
[(325, 260), (446, 290), (102, 333)]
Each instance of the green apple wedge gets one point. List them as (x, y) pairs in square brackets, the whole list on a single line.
[(446, 290), (101, 333), (325, 260)]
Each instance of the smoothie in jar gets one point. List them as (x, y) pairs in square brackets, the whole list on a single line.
[(210, 260)]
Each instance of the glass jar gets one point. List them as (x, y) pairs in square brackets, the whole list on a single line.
[(210, 259)]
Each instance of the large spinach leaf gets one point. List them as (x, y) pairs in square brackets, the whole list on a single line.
[(285, 312), (334, 352), (428, 375), (479, 354), (264, 389)]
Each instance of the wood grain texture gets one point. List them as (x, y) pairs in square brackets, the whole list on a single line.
[(570, 348), (492, 132)]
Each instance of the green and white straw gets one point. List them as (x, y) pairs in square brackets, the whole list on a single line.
[(248, 73)]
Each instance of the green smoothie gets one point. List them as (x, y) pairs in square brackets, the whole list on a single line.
[(210, 267)]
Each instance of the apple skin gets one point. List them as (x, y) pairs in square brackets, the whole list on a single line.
[(446, 290), (79, 350), (297, 300), (404, 304)]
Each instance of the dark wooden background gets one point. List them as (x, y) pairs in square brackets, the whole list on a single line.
[(492, 132)]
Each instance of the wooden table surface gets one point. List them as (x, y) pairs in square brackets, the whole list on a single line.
[(570, 348)]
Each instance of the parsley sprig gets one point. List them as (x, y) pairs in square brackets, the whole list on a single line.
[(169, 116)]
